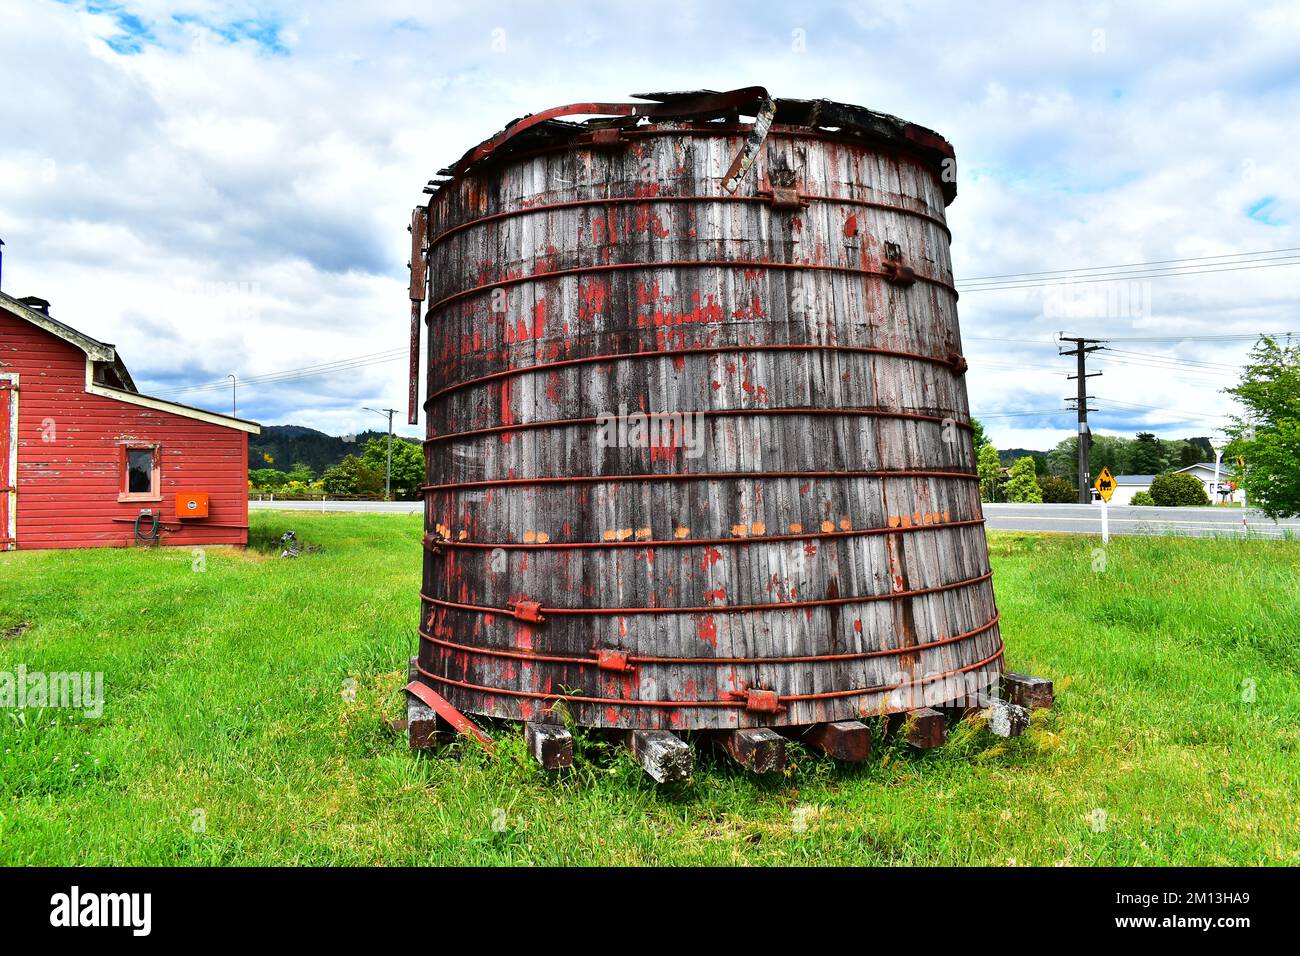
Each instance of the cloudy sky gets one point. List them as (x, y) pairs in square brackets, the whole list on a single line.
[(223, 187)]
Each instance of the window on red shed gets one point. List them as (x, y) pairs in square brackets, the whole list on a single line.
[(140, 473)]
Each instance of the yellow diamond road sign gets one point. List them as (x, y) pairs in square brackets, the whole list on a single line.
[(1105, 484)]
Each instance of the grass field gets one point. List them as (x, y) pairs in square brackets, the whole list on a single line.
[(227, 736)]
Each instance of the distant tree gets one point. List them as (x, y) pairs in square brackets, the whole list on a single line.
[(352, 476), (1057, 491), (989, 470), (977, 436), (408, 463), (1190, 454), (1146, 456), (1175, 490), (1022, 483), (1063, 460), (267, 478), (1268, 437), (302, 473), (1142, 498)]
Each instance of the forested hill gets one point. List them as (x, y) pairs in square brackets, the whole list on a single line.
[(286, 446)]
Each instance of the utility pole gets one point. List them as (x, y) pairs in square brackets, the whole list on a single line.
[(1082, 346), (233, 407), (388, 472)]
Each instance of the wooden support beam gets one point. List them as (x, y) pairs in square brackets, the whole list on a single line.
[(758, 749), (423, 725), (926, 728), (1006, 719), (848, 740), (662, 754), (1028, 692), (435, 716), (550, 744)]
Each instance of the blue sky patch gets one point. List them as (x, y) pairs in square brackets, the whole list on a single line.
[(1262, 210), (135, 32)]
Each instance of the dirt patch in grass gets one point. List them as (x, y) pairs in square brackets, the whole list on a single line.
[(16, 631)]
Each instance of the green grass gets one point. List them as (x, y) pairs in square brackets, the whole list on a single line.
[(224, 694)]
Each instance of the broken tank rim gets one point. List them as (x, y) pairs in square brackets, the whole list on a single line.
[(706, 109)]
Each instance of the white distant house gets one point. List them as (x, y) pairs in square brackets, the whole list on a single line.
[(1126, 486)]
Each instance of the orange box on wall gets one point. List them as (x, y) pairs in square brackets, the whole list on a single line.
[(191, 504)]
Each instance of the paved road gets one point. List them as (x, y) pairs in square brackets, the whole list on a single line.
[(1126, 519), (395, 507), (1061, 519)]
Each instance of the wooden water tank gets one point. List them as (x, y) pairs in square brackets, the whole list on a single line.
[(697, 429)]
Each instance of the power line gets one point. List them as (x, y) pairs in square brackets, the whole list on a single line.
[(1189, 416), (1158, 274), (294, 374), (1175, 359), (1045, 412), (1129, 265)]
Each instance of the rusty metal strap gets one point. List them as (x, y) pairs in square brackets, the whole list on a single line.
[(721, 608), (752, 264), (688, 704), (694, 198), (634, 660), (927, 522), (705, 104), (706, 413), (694, 476), (951, 360)]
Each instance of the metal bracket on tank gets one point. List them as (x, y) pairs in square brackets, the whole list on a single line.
[(526, 610), (611, 660), (785, 198), (758, 700), (895, 272)]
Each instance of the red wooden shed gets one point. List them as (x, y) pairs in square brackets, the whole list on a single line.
[(87, 461)]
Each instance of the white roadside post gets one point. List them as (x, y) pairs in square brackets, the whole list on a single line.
[(1105, 525), (1218, 457)]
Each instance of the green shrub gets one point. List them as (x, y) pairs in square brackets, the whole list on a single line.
[(1143, 498), (1178, 491), (1057, 491)]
